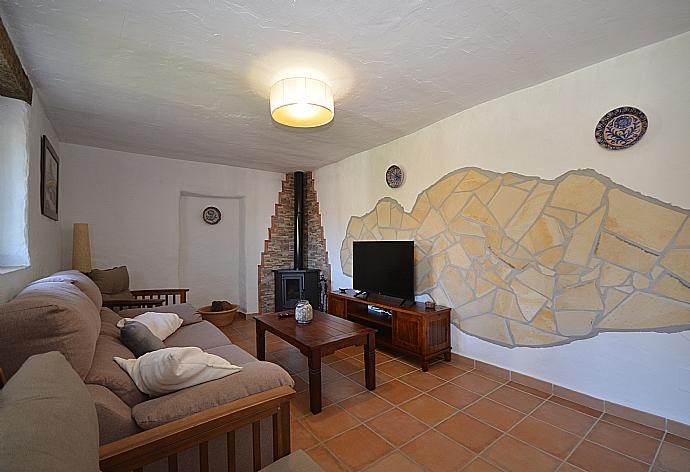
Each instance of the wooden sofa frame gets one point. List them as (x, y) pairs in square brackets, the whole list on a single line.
[(134, 452), (149, 298)]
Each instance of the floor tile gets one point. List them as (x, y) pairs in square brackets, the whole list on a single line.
[(471, 433), (381, 378), (480, 465), (595, 458), (437, 453), (331, 421), (347, 366), (446, 370), (640, 428), (301, 437), (381, 357), (341, 389), (395, 368), (493, 413), (352, 350), (325, 460), (421, 380), (514, 455), (454, 395), (335, 357), (565, 467), (565, 418), (396, 392), (476, 383), (673, 458), (395, 462), (300, 385), (428, 410), (625, 441), (546, 437), (515, 399), (299, 405), (396, 426), (327, 375), (358, 447), (365, 405)]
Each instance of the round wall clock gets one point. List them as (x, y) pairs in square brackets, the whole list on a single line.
[(621, 128), (394, 176), (211, 215)]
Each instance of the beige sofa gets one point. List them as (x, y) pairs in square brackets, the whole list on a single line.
[(64, 313)]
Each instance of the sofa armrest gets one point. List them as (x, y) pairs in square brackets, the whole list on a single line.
[(166, 441), (170, 295)]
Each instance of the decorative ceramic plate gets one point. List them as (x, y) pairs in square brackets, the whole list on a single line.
[(394, 176), (211, 215), (621, 128)]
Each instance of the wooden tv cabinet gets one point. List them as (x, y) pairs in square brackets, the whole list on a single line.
[(422, 333)]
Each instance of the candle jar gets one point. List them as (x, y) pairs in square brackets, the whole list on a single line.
[(303, 312)]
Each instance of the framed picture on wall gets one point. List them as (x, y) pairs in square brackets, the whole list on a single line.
[(50, 179)]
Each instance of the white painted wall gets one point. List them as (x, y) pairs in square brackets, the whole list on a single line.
[(43, 234), (132, 205), (210, 262), (547, 130)]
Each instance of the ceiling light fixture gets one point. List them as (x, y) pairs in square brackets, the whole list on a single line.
[(302, 102)]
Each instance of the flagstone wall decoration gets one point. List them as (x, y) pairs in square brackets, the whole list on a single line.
[(530, 262)]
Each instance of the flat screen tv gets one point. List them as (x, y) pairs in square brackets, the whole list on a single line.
[(384, 267)]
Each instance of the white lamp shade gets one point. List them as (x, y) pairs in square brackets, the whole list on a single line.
[(302, 102)]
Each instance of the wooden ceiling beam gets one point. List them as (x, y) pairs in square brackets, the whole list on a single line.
[(13, 80)]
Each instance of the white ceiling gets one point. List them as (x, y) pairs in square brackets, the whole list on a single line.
[(190, 79)]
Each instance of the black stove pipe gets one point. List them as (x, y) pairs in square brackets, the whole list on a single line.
[(299, 221)]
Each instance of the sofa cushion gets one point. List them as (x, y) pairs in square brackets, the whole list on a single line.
[(174, 368), (185, 311), (255, 377), (114, 416), (139, 339), (82, 282), (202, 334), (104, 370), (109, 321), (47, 419), (50, 316), (111, 281), (234, 354)]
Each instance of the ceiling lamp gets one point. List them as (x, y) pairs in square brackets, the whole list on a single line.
[(302, 102)]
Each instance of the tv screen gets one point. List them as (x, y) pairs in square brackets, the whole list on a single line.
[(384, 267)]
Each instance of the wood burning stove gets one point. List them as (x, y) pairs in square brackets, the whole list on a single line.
[(298, 283)]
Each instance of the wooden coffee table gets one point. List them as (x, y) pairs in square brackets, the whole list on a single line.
[(323, 336)]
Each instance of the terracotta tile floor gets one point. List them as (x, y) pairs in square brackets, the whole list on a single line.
[(455, 418)]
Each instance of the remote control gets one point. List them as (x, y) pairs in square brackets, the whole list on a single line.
[(285, 315)]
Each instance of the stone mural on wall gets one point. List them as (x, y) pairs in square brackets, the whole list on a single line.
[(529, 262)]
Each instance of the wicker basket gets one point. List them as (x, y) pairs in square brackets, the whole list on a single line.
[(220, 318)]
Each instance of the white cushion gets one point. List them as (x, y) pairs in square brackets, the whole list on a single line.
[(161, 325), (174, 368)]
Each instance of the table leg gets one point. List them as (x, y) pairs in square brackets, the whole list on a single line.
[(260, 342), (370, 362), (315, 381)]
